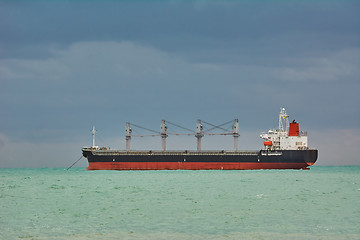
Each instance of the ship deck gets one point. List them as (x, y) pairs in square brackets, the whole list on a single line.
[(173, 153)]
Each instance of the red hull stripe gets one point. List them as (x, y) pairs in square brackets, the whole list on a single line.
[(191, 166)]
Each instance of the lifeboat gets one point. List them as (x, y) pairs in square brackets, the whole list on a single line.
[(268, 143)]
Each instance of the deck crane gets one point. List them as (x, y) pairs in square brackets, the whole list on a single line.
[(198, 133)]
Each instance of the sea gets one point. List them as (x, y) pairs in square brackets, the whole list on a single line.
[(55, 203)]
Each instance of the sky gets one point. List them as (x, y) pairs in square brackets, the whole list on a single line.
[(66, 66)]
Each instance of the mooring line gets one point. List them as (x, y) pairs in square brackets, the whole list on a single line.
[(74, 163)]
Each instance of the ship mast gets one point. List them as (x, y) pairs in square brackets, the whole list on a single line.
[(93, 136), (283, 120)]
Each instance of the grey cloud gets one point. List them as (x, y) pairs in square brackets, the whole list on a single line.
[(246, 28), (117, 79)]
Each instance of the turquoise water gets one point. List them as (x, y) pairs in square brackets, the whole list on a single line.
[(323, 203)]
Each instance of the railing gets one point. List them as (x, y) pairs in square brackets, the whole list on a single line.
[(303, 133)]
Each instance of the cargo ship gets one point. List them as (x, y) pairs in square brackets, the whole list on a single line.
[(284, 148)]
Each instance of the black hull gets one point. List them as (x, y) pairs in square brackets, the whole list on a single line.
[(158, 160)]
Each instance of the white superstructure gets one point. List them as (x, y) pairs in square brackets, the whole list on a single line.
[(287, 137)]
